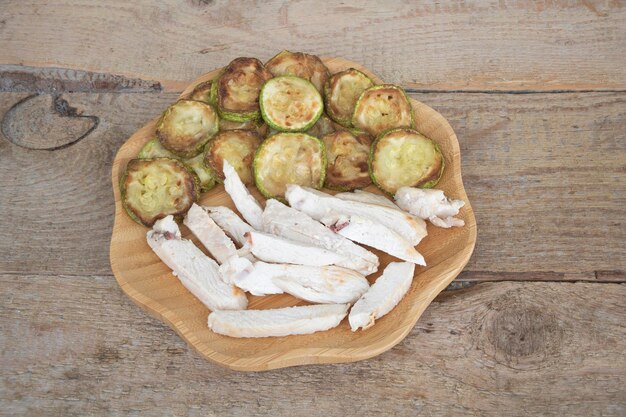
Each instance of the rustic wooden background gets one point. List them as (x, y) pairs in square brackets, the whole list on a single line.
[(536, 91)]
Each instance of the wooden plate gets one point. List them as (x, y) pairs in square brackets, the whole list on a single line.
[(149, 283)]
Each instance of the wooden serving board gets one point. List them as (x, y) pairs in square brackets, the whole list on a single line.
[(150, 284)]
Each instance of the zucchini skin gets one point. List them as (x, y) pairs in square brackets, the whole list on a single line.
[(191, 182), (184, 145), (298, 137), (347, 152), (428, 181), (307, 66), (265, 110), (403, 111), (230, 104), (154, 149), (340, 115)]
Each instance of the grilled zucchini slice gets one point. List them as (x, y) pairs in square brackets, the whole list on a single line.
[(382, 107), (341, 92), (290, 104), (306, 66), (238, 148), (405, 157), (186, 126), (289, 158), (202, 92), (154, 188), (258, 126), (154, 149), (322, 127), (347, 156), (238, 89)]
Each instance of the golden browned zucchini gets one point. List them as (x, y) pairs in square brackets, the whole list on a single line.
[(306, 66), (290, 104), (289, 158), (405, 157), (347, 157), (186, 126), (382, 107), (322, 127), (154, 188), (202, 92), (238, 89), (259, 126), (238, 148), (341, 92), (154, 149)]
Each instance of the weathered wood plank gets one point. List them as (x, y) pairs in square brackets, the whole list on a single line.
[(545, 174), (470, 45), (78, 346)]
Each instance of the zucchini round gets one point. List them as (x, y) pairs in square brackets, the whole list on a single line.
[(306, 66), (238, 89), (258, 126), (290, 104), (405, 157), (202, 92), (322, 127), (341, 92), (154, 149), (186, 126), (238, 148), (347, 156), (289, 158), (382, 107), (154, 188)]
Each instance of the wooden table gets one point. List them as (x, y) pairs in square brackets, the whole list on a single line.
[(536, 92)]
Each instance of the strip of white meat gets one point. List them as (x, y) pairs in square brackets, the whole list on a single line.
[(255, 278), (246, 204), (196, 271), (230, 223), (277, 322), (367, 197), (326, 208), (430, 204), (383, 295), (367, 232), (270, 248), (317, 284), (212, 237), (284, 221)]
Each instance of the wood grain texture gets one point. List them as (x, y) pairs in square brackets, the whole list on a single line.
[(566, 151), (473, 45), (77, 346), (150, 283)]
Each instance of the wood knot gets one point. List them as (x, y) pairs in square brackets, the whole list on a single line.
[(520, 335), (46, 122)]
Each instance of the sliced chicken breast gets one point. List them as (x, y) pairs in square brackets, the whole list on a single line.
[(246, 204), (383, 295), (270, 248), (284, 221), (209, 233), (196, 271), (430, 204), (367, 197), (325, 207), (230, 223), (255, 278), (367, 232), (277, 322)]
